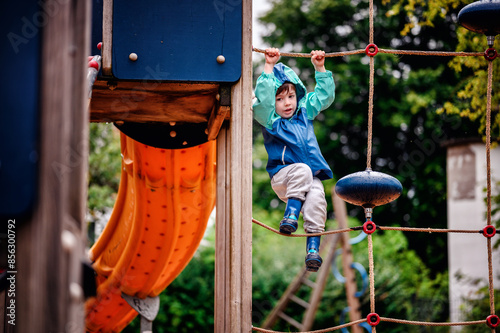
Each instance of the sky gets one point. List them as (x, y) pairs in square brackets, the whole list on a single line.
[(258, 8)]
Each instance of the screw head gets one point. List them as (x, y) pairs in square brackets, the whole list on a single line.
[(133, 56), (221, 59)]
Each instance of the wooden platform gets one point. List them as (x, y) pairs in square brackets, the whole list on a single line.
[(164, 102)]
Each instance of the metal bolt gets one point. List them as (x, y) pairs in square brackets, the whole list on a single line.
[(68, 241), (221, 59), (75, 292), (133, 56)]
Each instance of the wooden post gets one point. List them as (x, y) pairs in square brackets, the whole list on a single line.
[(347, 258), (233, 265), (50, 244)]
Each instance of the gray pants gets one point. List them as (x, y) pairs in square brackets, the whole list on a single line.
[(297, 181)]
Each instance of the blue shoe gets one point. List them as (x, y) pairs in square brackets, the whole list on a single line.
[(289, 223), (313, 259)]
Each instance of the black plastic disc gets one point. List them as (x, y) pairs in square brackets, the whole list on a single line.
[(166, 136), (368, 188), (482, 17)]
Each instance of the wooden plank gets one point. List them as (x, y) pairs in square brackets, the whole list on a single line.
[(152, 101), (309, 283), (235, 291), (222, 227), (216, 119), (285, 298), (246, 122), (300, 301), (50, 242), (291, 321), (347, 259), (107, 37)]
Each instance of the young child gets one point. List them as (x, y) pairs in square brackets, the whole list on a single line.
[(295, 164)]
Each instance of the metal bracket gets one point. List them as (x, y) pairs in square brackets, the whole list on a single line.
[(147, 308)]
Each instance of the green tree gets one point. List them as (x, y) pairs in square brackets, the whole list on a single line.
[(104, 172), (466, 101), (399, 273)]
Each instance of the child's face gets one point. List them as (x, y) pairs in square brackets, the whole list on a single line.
[(286, 103)]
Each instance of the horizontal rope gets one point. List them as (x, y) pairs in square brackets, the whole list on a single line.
[(329, 232), (389, 320), (338, 231), (426, 323), (308, 55), (430, 230), (387, 51), (433, 53), (317, 331)]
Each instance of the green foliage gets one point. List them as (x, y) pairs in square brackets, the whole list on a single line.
[(466, 100), (104, 166), (478, 307), (399, 273)]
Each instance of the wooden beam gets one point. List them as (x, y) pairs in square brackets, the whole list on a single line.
[(285, 298), (152, 101), (233, 265), (216, 119), (51, 242), (339, 207), (107, 36)]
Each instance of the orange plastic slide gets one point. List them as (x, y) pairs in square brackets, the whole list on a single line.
[(163, 204)]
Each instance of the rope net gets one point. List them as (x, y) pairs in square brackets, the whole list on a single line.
[(368, 164)]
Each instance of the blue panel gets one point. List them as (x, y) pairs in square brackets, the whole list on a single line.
[(20, 26), (96, 36), (177, 40)]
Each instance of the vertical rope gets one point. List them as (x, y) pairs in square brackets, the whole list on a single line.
[(372, 277), (369, 164), (371, 21), (370, 97), (488, 140), (488, 181), (370, 115)]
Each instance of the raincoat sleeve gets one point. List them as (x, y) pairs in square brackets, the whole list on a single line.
[(264, 107), (322, 96)]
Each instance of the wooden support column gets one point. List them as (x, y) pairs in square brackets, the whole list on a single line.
[(233, 266), (340, 209), (50, 243)]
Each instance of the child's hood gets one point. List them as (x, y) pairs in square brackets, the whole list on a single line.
[(286, 74)]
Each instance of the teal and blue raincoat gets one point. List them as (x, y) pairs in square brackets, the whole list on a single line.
[(292, 140)]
